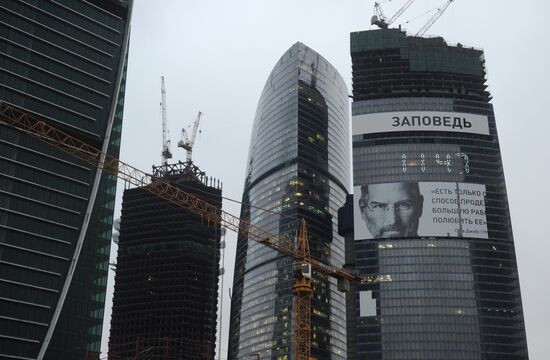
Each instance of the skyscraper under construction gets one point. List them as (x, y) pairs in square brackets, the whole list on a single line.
[(166, 284), (430, 215)]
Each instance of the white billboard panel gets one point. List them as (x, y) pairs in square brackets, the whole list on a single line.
[(420, 121), (411, 209)]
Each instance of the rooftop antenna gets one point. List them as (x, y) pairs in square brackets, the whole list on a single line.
[(380, 20), (186, 142), (165, 154)]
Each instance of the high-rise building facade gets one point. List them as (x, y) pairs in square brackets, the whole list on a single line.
[(166, 284), (298, 167), (65, 62), (430, 213)]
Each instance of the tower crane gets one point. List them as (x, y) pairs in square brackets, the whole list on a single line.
[(186, 142), (381, 21), (434, 18), (303, 292), (23, 121), (165, 154)]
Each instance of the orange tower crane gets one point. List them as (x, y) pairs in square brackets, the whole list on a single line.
[(23, 121), (303, 291)]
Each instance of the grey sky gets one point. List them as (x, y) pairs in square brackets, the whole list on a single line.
[(216, 56)]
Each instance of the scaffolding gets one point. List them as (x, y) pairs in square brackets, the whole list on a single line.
[(166, 285)]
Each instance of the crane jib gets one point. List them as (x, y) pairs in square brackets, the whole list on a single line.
[(27, 123)]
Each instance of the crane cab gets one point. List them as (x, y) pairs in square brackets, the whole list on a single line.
[(302, 270)]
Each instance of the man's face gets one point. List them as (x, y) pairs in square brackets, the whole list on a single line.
[(391, 210)]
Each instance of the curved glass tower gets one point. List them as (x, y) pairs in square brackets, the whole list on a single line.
[(431, 218), (65, 62), (298, 166)]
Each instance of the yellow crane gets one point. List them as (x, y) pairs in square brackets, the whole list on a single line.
[(303, 292), (304, 265)]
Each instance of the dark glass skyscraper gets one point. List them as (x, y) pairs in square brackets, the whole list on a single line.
[(298, 166), (166, 284), (65, 62), (431, 220)]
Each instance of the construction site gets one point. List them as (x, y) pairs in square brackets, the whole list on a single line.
[(166, 294), (166, 285), (155, 276), (306, 287), (165, 299)]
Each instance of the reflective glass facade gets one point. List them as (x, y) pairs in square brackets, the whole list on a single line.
[(65, 62), (431, 296), (298, 166)]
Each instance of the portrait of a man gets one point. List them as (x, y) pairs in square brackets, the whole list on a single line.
[(391, 209)]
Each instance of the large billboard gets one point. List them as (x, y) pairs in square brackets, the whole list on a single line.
[(420, 121), (412, 209)]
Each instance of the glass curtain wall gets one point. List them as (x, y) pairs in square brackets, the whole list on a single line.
[(298, 166), (65, 62), (439, 291)]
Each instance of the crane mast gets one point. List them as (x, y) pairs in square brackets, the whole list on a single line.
[(434, 18), (303, 292), (165, 154), (186, 142)]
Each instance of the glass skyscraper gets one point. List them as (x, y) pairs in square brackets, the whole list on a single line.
[(431, 219), (63, 61), (298, 167)]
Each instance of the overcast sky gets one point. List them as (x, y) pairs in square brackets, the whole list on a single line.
[(217, 55)]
